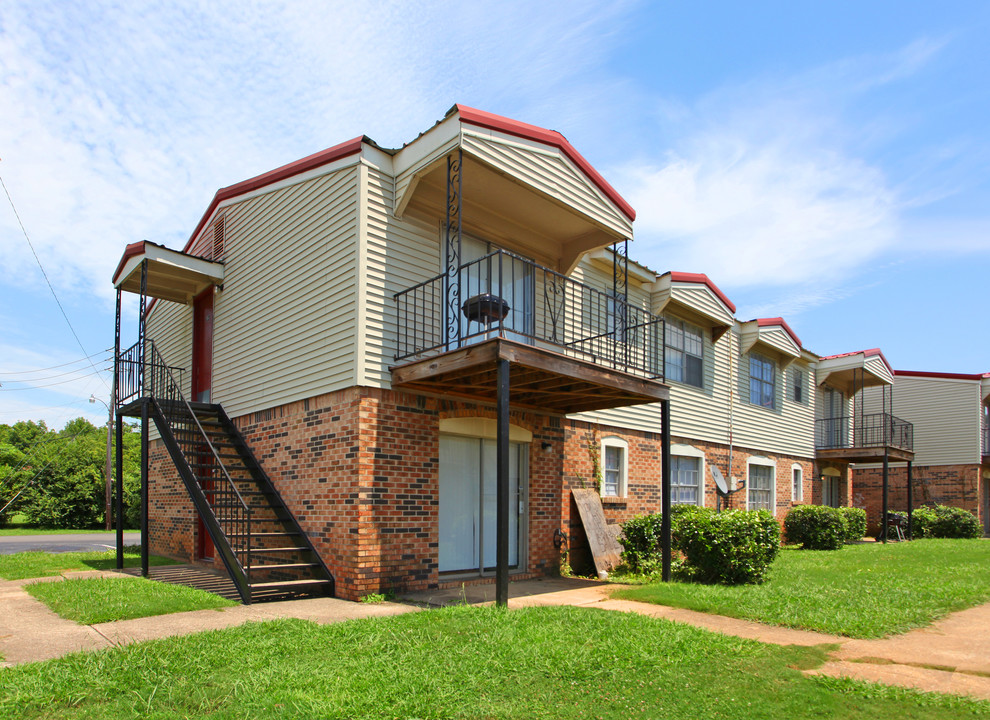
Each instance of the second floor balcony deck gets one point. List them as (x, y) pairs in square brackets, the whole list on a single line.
[(573, 346), (864, 437)]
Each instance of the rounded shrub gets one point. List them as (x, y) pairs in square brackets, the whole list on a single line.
[(951, 522), (855, 523), (731, 547), (816, 527)]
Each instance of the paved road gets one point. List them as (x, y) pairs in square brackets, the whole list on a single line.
[(64, 543)]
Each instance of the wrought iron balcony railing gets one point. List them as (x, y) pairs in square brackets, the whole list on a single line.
[(864, 431), (504, 295)]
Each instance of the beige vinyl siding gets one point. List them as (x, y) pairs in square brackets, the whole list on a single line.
[(946, 417), (169, 327), (284, 324), (697, 297), (776, 338), (790, 427), (876, 366), (546, 170), (398, 254)]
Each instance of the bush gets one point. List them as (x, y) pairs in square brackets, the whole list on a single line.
[(731, 547), (640, 540), (816, 527), (945, 522), (855, 523)]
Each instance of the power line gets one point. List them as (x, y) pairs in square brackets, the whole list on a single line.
[(77, 373), (55, 367), (60, 382), (45, 274)]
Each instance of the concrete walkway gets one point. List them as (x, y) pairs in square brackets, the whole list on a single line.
[(29, 631), (952, 655)]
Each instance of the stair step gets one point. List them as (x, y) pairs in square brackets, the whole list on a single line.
[(284, 566), (289, 584), (263, 550), (265, 534)]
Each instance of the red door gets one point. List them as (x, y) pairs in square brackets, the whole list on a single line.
[(202, 376), (202, 355)]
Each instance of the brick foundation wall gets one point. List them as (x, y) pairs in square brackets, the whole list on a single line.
[(955, 485)]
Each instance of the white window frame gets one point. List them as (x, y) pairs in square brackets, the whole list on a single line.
[(773, 382), (623, 483), (797, 473), (683, 327), (678, 450), (763, 462)]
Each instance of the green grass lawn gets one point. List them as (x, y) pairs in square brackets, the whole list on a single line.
[(34, 564), (96, 600), (458, 663), (865, 591)]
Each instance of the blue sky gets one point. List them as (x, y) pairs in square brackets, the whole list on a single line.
[(826, 162)]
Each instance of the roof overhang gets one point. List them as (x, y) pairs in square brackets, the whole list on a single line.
[(771, 335), (523, 187), (850, 372), (694, 295), (172, 275)]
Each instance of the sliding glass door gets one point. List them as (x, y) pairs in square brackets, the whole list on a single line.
[(468, 484)]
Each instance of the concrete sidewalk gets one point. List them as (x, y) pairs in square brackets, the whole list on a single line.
[(29, 631), (952, 655)]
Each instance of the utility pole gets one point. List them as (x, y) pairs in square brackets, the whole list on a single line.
[(108, 514)]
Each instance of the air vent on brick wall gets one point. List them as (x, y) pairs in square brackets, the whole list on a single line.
[(219, 226)]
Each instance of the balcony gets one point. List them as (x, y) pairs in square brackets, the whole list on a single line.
[(572, 347), (864, 438)]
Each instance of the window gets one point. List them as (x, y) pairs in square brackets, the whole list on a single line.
[(762, 381), (615, 464), (797, 386), (760, 492), (797, 483), (685, 485), (684, 352), (830, 491)]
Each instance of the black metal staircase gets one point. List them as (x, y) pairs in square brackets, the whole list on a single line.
[(259, 541)]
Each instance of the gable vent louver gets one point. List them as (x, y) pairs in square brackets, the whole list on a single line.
[(219, 228)]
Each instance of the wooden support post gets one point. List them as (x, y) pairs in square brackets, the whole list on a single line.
[(883, 513), (665, 489), (144, 487), (502, 486), (119, 429), (910, 482)]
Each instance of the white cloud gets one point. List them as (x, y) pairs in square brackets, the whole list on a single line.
[(118, 121), (767, 183)]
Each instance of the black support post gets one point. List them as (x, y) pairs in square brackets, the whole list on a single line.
[(665, 488), (119, 430), (502, 487), (883, 512), (144, 487), (910, 489)]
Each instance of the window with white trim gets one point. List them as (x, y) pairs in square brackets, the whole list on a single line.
[(760, 487), (762, 381), (797, 483), (684, 353), (615, 466), (685, 480), (798, 382)]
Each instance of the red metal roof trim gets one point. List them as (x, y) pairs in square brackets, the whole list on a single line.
[(868, 353), (703, 279), (130, 251), (491, 121), (779, 322), (324, 157), (942, 375)]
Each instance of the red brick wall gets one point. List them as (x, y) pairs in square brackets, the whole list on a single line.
[(955, 485), (359, 470)]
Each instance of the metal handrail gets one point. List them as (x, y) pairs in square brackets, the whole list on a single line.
[(873, 430), (162, 375), (544, 306)]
